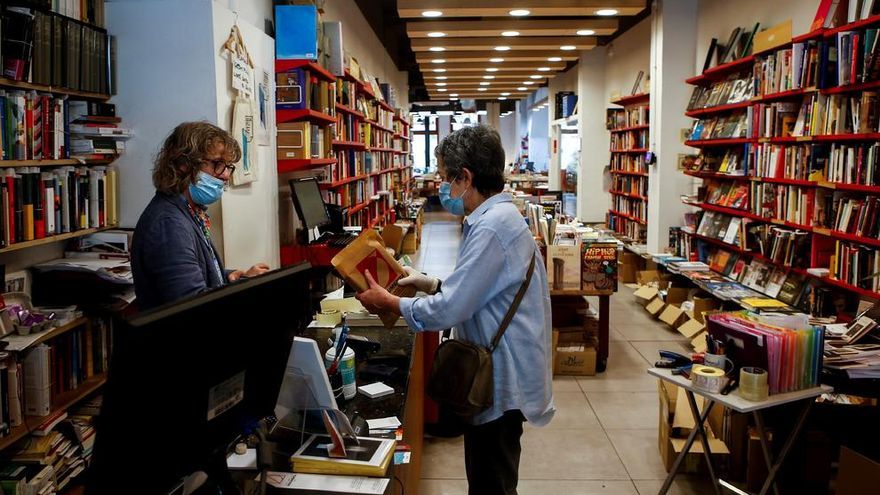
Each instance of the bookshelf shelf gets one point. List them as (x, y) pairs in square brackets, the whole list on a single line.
[(359, 207), (11, 83), (812, 35), (719, 142), (284, 115), (850, 187), (782, 180), (52, 239), (285, 166), (728, 211), (631, 150), (873, 136), (783, 95), (382, 150), (385, 105), (852, 288), (289, 65), (843, 236), (631, 128), (851, 88), (342, 182), (344, 109), (629, 172), (39, 163), (22, 342), (632, 99), (721, 71), (831, 33), (62, 402), (715, 175), (628, 217), (379, 126), (718, 109), (719, 242), (629, 195), (349, 144)]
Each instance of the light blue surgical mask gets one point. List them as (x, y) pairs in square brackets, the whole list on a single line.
[(207, 189), (452, 205)]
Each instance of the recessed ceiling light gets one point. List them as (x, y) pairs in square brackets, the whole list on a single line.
[(543, 69), (554, 59), (535, 76), (509, 33), (488, 77), (502, 48), (492, 69), (606, 12), (442, 78), (522, 88), (484, 83), (568, 48), (438, 61), (502, 97), (442, 90), (441, 84), (505, 94), (453, 94), (453, 99), (585, 32), (431, 13), (436, 34), (496, 60), (481, 89), (437, 49), (439, 71), (519, 12), (528, 83)]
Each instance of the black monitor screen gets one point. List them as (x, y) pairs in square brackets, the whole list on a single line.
[(187, 378), (309, 203)]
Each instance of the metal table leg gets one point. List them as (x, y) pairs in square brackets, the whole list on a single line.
[(604, 316), (765, 446), (802, 418), (707, 452), (699, 420)]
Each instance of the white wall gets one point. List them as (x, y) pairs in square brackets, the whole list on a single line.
[(625, 57), (592, 199), (509, 138), (361, 42), (250, 211), (539, 139)]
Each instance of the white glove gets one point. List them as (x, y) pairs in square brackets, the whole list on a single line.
[(419, 280)]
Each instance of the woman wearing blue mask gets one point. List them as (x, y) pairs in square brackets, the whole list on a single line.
[(172, 253), (494, 256)]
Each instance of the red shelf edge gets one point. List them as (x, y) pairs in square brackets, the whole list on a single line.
[(631, 99), (287, 65), (294, 165), (718, 108)]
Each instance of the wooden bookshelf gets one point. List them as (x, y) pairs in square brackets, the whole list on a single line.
[(19, 343), (61, 403), (284, 115), (285, 166), (349, 144), (629, 137), (629, 172), (52, 239), (42, 88)]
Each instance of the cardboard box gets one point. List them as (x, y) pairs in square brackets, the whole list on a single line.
[(704, 303), (677, 295), (672, 315), (568, 335), (410, 246), (655, 307), (645, 294), (653, 277), (668, 444), (630, 264), (691, 327), (571, 362), (564, 267), (856, 472), (772, 37), (699, 342)]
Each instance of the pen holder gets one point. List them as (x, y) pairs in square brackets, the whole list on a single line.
[(336, 386), (346, 369)]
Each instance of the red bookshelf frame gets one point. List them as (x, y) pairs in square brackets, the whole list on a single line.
[(718, 109), (698, 143), (283, 115), (288, 65), (632, 99), (344, 109), (721, 71), (629, 195), (627, 172), (632, 128), (628, 217), (285, 166), (630, 150)]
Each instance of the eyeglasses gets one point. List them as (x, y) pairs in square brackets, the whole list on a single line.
[(220, 166)]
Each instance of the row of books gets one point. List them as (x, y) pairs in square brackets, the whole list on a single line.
[(858, 216), (303, 141), (348, 195), (857, 57), (734, 89), (789, 203), (628, 163), (34, 126), (375, 137), (630, 184), (629, 140), (853, 164), (725, 228), (90, 11), (734, 125), (727, 193), (50, 49), (787, 69), (626, 227), (797, 162), (732, 161), (35, 204), (299, 89), (821, 114), (783, 246), (630, 206), (857, 265), (629, 117)]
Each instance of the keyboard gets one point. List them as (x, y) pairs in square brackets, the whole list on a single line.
[(335, 239)]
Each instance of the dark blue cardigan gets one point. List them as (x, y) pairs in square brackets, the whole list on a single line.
[(169, 257)]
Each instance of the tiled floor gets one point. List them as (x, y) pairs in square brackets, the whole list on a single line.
[(603, 439)]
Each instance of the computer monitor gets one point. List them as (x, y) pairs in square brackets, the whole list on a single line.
[(308, 202), (187, 378)]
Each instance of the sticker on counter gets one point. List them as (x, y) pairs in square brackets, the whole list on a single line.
[(225, 395)]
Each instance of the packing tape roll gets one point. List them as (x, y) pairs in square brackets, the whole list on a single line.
[(707, 378), (753, 384), (329, 317)]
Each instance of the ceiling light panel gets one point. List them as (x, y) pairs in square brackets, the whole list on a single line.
[(491, 28)]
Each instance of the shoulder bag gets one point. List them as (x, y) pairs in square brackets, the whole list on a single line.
[(461, 378)]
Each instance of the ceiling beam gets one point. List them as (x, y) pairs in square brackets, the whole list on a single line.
[(516, 43), (484, 56), (494, 8), (494, 28), (482, 66)]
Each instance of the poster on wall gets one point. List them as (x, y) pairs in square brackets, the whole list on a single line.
[(264, 89)]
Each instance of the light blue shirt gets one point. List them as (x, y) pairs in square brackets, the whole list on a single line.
[(495, 251)]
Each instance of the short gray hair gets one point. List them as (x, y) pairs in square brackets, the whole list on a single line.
[(477, 148)]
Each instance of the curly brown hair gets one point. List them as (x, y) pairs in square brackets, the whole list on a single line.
[(180, 158)]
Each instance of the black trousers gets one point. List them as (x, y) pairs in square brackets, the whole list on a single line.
[(491, 455)]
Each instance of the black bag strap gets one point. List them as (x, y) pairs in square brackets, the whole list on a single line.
[(513, 307)]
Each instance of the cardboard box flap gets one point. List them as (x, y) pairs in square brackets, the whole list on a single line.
[(716, 445), (672, 315), (655, 306), (691, 328), (699, 342), (646, 293)]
